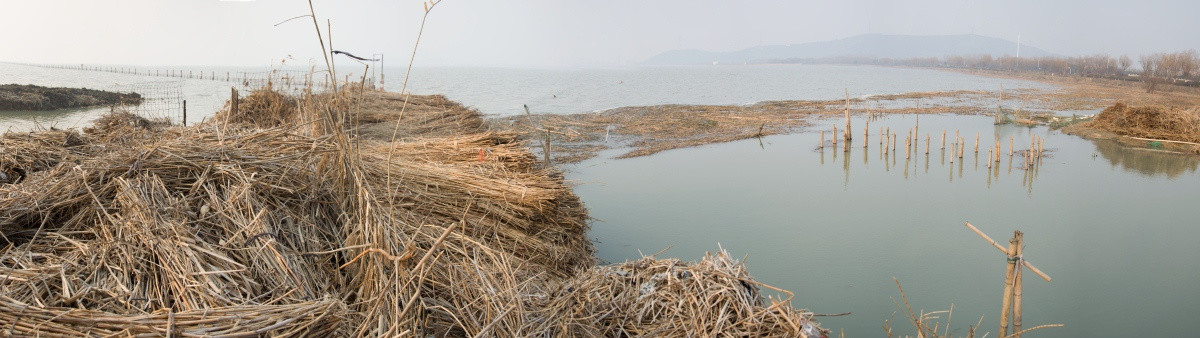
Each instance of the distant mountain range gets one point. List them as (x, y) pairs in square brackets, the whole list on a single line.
[(861, 46)]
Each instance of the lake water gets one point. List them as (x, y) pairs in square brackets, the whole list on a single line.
[(503, 91), (1114, 227)]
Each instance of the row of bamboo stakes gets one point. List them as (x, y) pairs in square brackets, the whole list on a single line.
[(887, 139)]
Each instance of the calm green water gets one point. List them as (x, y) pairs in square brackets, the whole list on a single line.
[(1116, 228)]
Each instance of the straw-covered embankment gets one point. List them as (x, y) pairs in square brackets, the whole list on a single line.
[(302, 217), (1151, 126), (31, 97)]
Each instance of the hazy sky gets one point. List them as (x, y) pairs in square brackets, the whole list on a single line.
[(554, 33)]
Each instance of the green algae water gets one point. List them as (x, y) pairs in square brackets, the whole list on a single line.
[(1115, 227)]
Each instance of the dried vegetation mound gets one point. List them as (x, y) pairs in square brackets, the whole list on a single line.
[(1156, 122), (236, 228)]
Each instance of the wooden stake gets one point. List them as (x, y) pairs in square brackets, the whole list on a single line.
[(822, 144), (943, 140), (1010, 145), (927, 143), (976, 143), (834, 135), (185, 113), (233, 102)]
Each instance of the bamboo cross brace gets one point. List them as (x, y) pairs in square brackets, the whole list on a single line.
[(1004, 250)]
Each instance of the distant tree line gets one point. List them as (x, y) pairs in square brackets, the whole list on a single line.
[(1181, 68)]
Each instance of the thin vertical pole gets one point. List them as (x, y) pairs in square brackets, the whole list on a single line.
[(1017, 288), (185, 113)]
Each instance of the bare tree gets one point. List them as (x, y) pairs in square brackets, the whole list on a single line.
[(1187, 63), (1124, 63), (1149, 70)]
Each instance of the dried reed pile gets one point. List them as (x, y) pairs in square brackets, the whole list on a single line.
[(282, 222), (669, 298), (1156, 122)]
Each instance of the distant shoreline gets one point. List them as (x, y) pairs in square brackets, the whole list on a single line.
[(16, 97)]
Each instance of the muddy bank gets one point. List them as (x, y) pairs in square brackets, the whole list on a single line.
[(31, 97)]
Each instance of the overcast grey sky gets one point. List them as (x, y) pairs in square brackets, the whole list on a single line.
[(565, 33)]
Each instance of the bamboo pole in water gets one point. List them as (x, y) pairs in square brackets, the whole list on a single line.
[(1009, 274), (822, 144), (887, 143), (1017, 287), (893, 141), (962, 146), (1010, 145), (834, 136), (917, 128), (943, 140), (927, 137), (907, 146), (866, 132), (847, 116), (976, 143)]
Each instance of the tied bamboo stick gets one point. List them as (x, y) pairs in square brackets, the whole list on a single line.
[(927, 137), (1009, 276), (834, 135), (1017, 286), (943, 140), (976, 143), (1010, 145)]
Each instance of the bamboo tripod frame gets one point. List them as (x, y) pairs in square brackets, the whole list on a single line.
[(1010, 305)]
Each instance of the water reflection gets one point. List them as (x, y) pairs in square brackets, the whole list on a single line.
[(1146, 162)]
